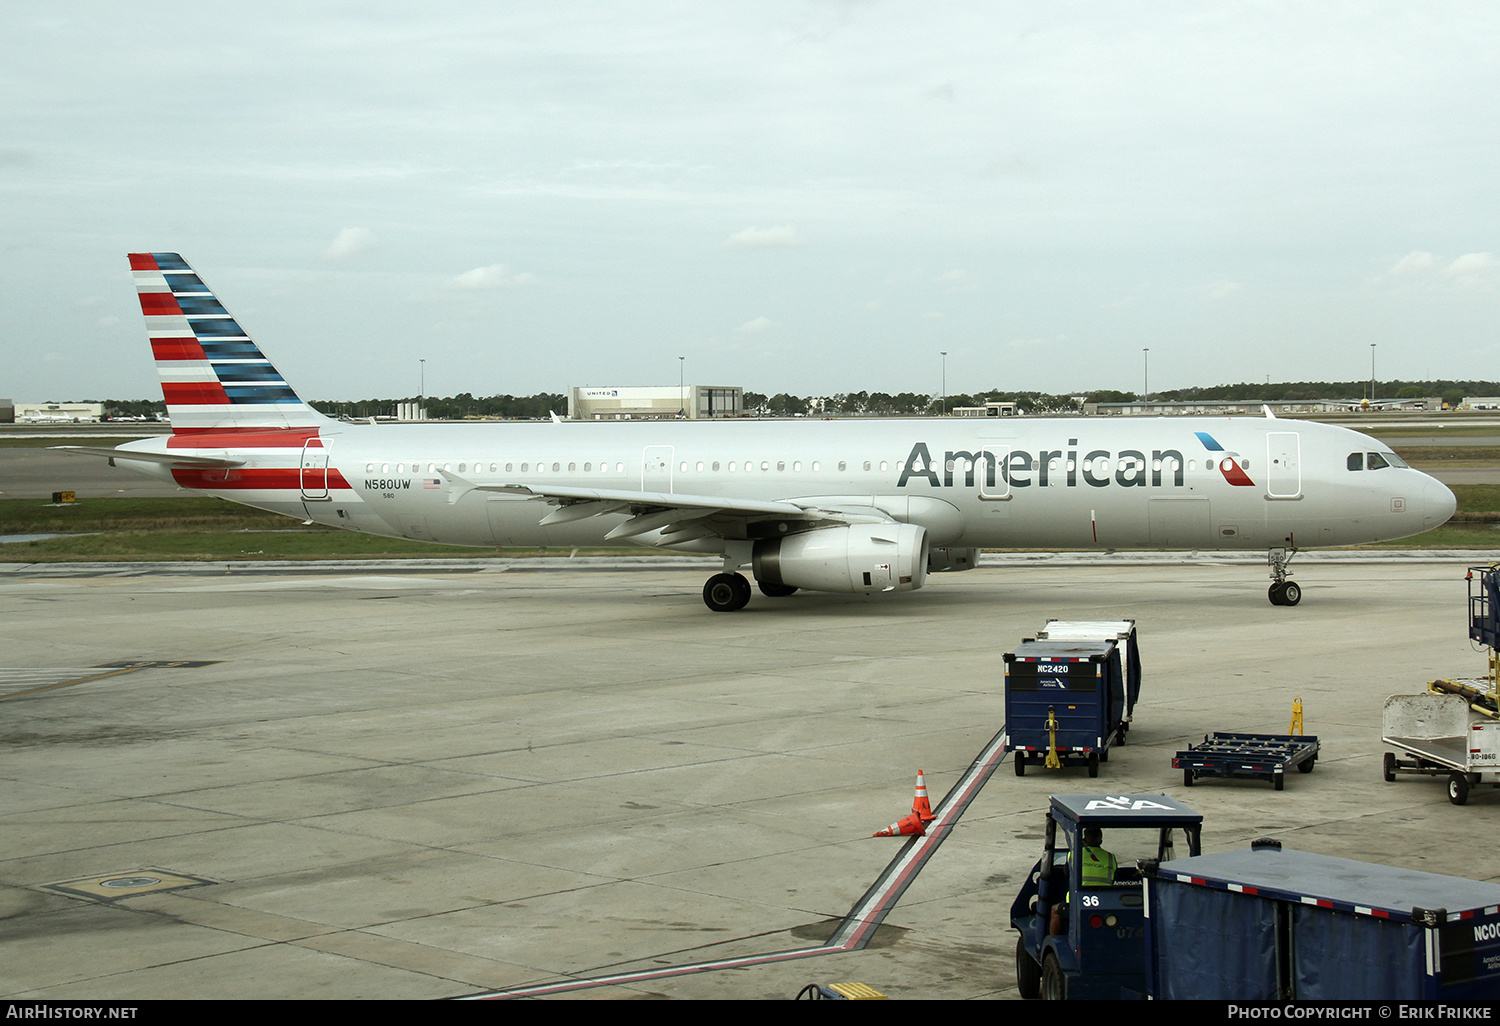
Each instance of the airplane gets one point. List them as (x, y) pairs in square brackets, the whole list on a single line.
[(853, 507)]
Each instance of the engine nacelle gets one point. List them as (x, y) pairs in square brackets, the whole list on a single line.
[(950, 560), (860, 558)]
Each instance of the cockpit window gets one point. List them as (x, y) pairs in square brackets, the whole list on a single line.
[(1377, 461), (1393, 459), (1356, 461)]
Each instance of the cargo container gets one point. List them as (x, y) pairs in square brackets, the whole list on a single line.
[(1263, 923)]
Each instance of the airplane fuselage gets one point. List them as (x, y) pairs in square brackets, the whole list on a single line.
[(1161, 483)]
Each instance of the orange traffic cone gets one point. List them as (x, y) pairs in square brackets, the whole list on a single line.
[(911, 824), (919, 804)]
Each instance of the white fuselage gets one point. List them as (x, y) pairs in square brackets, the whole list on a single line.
[(1075, 483)]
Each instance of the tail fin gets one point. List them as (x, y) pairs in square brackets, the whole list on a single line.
[(213, 376)]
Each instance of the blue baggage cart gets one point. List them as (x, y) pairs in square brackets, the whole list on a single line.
[(1121, 632), (1065, 703), (1265, 924)]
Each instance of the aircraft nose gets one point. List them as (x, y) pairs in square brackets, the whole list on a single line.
[(1438, 503)]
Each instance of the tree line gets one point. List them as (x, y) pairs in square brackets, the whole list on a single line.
[(881, 404)]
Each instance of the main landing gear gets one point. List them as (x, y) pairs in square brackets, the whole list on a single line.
[(724, 593), (1284, 592)]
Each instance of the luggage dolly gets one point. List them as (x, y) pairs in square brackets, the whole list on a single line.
[(1263, 756)]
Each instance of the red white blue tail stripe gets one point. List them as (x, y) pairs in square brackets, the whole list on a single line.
[(213, 376)]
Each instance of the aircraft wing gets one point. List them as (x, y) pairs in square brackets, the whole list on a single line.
[(166, 459), (678, 516)]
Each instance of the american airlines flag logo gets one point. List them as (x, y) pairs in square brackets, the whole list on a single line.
[(1229, 463)]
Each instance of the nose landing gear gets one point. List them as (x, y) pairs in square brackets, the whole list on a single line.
[(1283, 592)]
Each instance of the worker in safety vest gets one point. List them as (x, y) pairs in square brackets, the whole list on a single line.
[(1098, 868)]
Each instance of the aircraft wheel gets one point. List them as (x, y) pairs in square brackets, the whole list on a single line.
[(1028, 973), (775, 590), (1389, 765), (1291, 593), (1458, 788), (724, 593), (1054, 983), (1275, 594)]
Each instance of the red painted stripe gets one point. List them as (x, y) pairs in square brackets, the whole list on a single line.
[(194, 393), (142, 262), (240, 438), (1233, 474), (158, 304), (267, 478), (177, 349)]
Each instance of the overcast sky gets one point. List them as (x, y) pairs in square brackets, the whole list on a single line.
[(809, 197)]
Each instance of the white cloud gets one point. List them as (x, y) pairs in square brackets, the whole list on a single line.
[(495, 276), (755, 327), (1475, 271), (1223, 289), (1472, 272), (1415, 262), (351, 242), (780, 237)]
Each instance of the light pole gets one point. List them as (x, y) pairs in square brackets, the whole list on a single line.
[(422, 379), (944, 354), (1372, 372), (1146, 396), (681, 386)]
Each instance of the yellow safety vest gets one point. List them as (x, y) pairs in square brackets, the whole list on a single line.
[(1098, 869)]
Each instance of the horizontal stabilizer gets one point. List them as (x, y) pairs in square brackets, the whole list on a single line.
[(166, 459)]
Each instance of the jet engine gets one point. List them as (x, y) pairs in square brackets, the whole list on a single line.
[(860, 558), (951, 560)]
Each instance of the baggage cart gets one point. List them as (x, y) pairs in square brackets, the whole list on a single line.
[(1264, 924), (1123, 634), (1064, 703), (1261, 756), (1439, 733)]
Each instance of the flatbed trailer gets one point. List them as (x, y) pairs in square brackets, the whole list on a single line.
[(1260, 756), (1439, 733)]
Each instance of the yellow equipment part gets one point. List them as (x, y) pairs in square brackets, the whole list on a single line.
[(1479, 692)]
